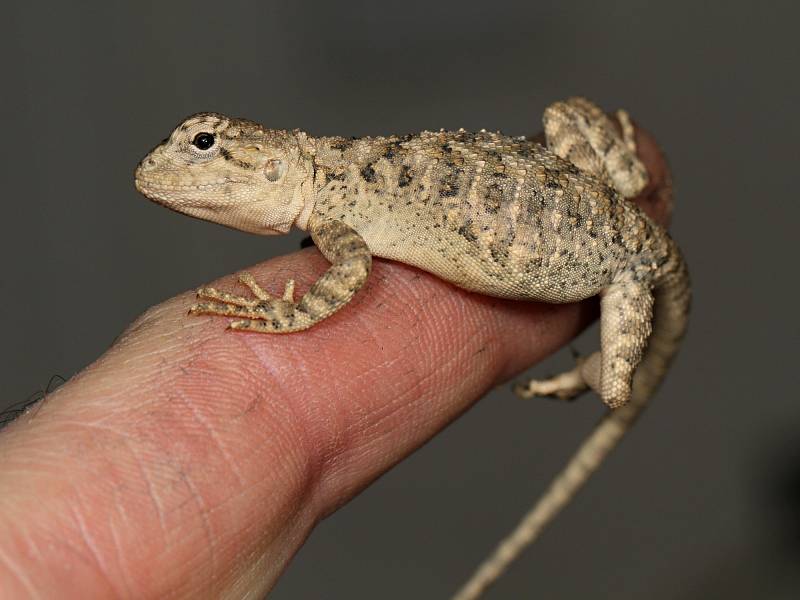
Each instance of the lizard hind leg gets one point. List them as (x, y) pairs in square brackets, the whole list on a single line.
[(625, 325), (564, 386), (580, 132)]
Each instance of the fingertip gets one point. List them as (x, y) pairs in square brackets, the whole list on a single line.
[(656, 200)]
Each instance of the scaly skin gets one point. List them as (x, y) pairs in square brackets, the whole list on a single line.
[(497, 215)]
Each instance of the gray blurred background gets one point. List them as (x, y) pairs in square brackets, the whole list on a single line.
[(702, 501)]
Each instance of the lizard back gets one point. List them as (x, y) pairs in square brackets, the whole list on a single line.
[(499, 215)]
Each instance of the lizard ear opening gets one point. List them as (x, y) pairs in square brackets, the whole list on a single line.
[(274, 169)]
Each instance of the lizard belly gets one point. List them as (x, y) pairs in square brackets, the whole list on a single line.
[(534, 270)]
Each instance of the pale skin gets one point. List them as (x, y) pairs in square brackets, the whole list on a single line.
[(184, 463)]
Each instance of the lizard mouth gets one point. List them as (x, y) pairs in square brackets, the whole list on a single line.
[(163, 192)]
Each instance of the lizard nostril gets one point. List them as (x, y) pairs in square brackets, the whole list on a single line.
[(151, 162)]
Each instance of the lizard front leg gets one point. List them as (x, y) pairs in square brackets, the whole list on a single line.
[(351, 262)]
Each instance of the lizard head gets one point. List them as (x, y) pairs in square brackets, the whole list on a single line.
[(230, 171)]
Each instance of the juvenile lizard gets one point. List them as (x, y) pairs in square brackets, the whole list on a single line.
[(497, 215)]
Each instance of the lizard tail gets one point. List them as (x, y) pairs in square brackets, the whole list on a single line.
[(583, 463), (672, 299)]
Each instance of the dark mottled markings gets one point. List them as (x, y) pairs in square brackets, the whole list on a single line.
[(467, 231), (225, 153), (368, 173), (329, 176), (393, 148), (609, 192), (494, 198), (524, 151), (405, 176), (342, 144), (448, 186), (501, 243), (499, 251), (552, 178), (449, 191)]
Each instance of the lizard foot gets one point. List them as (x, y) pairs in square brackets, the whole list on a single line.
[(261, 295), (262, 313), (565, 386), (247, 279)]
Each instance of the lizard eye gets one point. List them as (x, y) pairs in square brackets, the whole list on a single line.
[(203, 141)]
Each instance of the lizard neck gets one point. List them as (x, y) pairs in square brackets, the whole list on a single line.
[(334, 155), (305, 194), (349, 168), (329, 160)]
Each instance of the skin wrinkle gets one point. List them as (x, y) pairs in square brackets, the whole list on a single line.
[(290, 436), (152, 319), (123, 567), (340, 436), (65, 548), (371, 423), (185, 373), (215, 439), (154, 500), (324, 453), (376, 431), (421, 392), (145, 479), (368, 412), (123, 509), (184, 399), (474, 328), (240, 493), (90, 544), (487, 307), (204, 513), (301, 439), (336, 414), (118, 437), (364, 376), (421, 395), (18, 572)]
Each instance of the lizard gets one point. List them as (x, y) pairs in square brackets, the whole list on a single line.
[(498, 215)]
